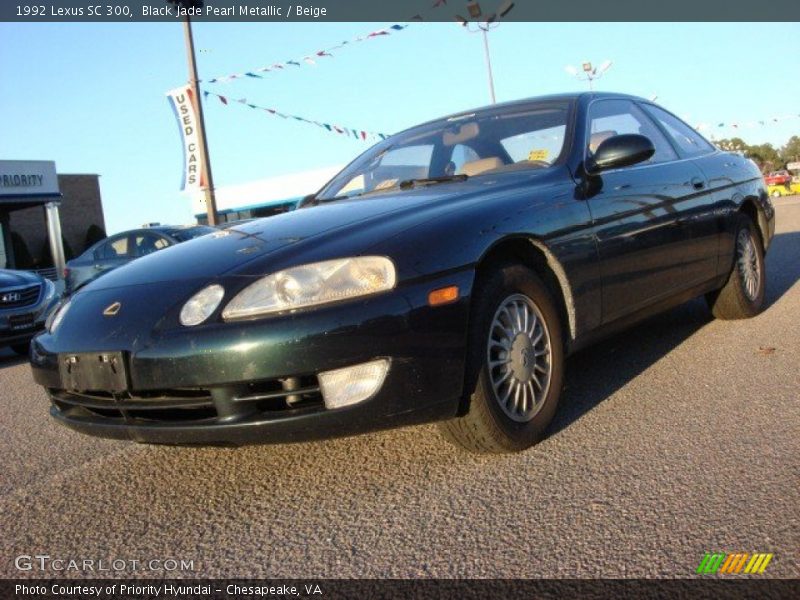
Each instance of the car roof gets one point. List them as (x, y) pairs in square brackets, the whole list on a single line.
[(568, 96), (170, 227), (167, 229)]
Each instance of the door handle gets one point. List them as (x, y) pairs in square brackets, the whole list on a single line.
[(698, 183)]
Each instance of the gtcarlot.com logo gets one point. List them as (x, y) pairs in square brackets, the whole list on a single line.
[(731, 564), (45, 562)]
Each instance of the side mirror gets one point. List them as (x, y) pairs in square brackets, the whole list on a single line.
[(620, 151)]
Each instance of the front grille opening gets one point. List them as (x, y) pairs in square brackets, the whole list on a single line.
[(74, 410), (199, 413), (188, 405), (282, 394), (21, 297), (159, 405)]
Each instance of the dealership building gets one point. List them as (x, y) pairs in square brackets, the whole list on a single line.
[(45, 216), (264, 197)]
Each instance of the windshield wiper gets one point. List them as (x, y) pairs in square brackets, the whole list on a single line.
[(410, 183), (406, 184), (317, 201)]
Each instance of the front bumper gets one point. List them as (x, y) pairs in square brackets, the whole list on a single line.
[(392, 406), (237, 383)]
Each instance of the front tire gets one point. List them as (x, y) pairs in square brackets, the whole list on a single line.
[(515, 364), (742, 297)]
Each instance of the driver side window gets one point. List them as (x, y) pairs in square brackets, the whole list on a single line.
[(147, 243), (608, 118)]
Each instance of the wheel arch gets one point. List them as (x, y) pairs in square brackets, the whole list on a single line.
[(534, 254), (751, 207)]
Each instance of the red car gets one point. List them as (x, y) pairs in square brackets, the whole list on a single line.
[(779, 178)]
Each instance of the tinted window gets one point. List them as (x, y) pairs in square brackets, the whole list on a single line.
[(461, 155), (409, 162), (538, 145), (688, 140), (113, 248), (484, 142), (147, 243), (608, 118)]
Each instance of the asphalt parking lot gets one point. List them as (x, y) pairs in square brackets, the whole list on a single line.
[(679, 437)]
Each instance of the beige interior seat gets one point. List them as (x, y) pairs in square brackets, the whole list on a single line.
[(598, 138), (476, 167)]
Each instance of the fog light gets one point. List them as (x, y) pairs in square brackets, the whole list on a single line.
[(351, 385)]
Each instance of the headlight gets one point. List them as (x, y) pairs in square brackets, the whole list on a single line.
[(312, 285), (200, 306), (54, 320)]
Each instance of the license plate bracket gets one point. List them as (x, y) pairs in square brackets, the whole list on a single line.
[(100, 371), (21, 322)]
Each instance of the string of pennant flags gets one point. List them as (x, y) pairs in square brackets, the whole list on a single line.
[(359, 134), (308, 59), (364, 135), (312, 58), (745, 124)]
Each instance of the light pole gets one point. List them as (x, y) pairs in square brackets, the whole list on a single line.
[(588, 72), (194, 82), (490, 22), (485, 31)]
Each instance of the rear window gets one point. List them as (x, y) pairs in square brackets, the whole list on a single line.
[(688, 140), (113, 248)]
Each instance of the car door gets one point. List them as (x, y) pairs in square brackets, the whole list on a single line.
[(703, 215), (636, 213)]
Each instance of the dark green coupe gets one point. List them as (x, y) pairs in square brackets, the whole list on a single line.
[(444, 275)]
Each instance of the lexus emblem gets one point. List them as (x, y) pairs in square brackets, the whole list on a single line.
[(11, 297), (113, 309)]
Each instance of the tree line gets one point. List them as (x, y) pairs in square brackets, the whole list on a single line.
[(766, 156)]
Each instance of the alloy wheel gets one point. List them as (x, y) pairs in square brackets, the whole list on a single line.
[(748, 264), (519, 358)]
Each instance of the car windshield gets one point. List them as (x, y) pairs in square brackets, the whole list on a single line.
[(481, 143), (188, 233)]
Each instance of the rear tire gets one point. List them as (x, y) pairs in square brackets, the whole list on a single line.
[(515, 364), (742, 297)]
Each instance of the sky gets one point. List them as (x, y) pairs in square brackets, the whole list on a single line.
[(92, 96)]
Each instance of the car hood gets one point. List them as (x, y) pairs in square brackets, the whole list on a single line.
[(217, 254), (14, 279)]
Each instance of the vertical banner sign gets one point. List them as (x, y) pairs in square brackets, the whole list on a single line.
[(184, 106)]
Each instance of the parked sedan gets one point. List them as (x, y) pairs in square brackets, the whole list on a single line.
[(779, 178), (124, 247), (25, 302), (444, 275)]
